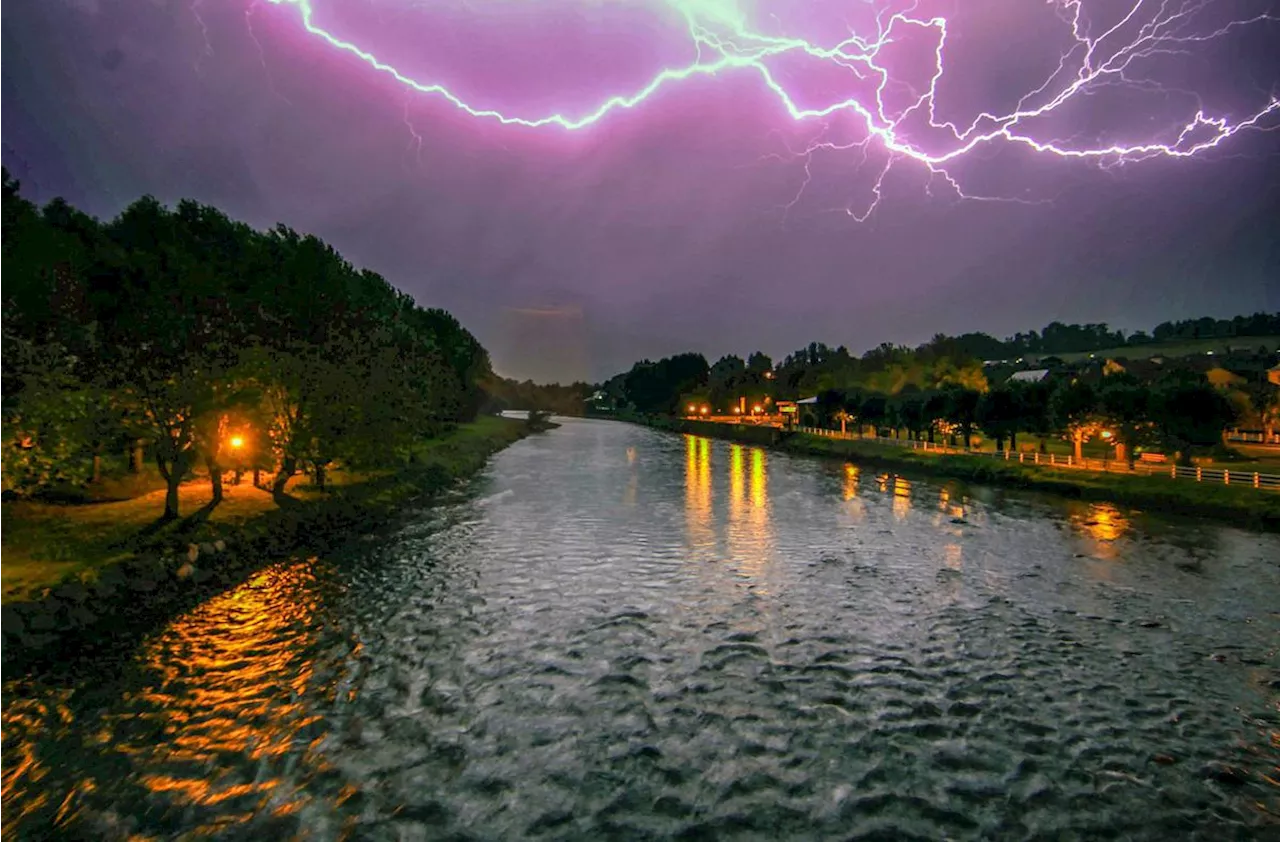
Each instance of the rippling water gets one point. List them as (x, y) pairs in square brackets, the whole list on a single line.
[(619, 633)]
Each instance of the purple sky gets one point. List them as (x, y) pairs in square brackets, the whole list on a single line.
[(694, 219)]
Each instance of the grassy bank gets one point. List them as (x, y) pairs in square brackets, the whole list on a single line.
[(1246, 506), (49, 547), (1243, 505), (87, 580)]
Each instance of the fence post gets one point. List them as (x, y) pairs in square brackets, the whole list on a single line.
[(1226, 477), (1198, 472), (1255, 480), (1037, 457), (1173, 471)]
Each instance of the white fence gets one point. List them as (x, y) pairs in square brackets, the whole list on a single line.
[(1225, 476)]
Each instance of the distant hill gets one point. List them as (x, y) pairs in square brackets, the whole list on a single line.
[(1173, 348)]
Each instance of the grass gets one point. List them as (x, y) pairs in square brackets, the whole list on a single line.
[(45, 543), (1241, 504)]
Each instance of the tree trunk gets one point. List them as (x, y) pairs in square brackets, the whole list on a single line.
[(172, 473), (215, 478), (1000, 444), (966, 430), (97, 465), (929, 435), (135, 457), (1077, 445), (1013, 440), (320, 475), (257, 477), (288, 467)]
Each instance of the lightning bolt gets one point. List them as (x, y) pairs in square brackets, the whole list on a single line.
[(723, 41), (262, 54), (416, 142), (204, 33)]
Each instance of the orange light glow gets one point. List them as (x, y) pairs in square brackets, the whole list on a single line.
[(705, 410), (237, 441), (1106, 434), (755, 408)]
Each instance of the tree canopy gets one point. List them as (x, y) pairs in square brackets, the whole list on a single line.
[(180, 326)]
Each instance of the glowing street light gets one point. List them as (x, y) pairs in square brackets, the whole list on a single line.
[(756, 408), (1106, 434), (237, 442), (705, 410), (692, 409)]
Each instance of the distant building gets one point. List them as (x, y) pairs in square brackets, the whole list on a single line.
[(1035, 375)]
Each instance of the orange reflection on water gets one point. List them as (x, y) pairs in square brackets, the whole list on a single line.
[(23, 777), (1102, 524), (750, 537), (697, 491), (850, 481), (759, 493), (231, 678), (223, 687), (901, 497)]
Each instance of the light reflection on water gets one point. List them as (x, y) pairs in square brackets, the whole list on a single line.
[(782, 648), (231, 679)]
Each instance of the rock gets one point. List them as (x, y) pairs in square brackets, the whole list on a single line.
[(43, 619), (220, 545), (72, 591), (1165, 759), (1218, 656), (81, 617), (1149, 624), (959, 520), (1223, 773), (186, 570), (202, 574), (193, 552), (11, 621), (207, 549)]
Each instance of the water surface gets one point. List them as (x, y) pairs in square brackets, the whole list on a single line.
[(616, 633)]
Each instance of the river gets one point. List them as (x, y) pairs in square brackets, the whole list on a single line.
[(617, 633)]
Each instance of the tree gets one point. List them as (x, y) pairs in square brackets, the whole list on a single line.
[(911, 406), (962, 409), (1270, 415), (1073, 408), (1000, 414), (1126, 405), (1189, 414)]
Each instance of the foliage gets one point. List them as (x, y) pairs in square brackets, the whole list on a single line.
[(178, 326)]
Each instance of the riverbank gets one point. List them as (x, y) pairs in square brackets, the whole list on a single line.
[(1257, 509), (83, 577)]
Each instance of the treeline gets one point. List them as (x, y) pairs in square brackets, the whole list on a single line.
[(505, 393), (941, 387), (1059, 338), (192, 335), (1176, 414)]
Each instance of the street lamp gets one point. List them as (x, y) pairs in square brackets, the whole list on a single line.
[(237, 442)]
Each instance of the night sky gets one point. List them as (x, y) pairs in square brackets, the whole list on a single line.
[(719, 213)]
